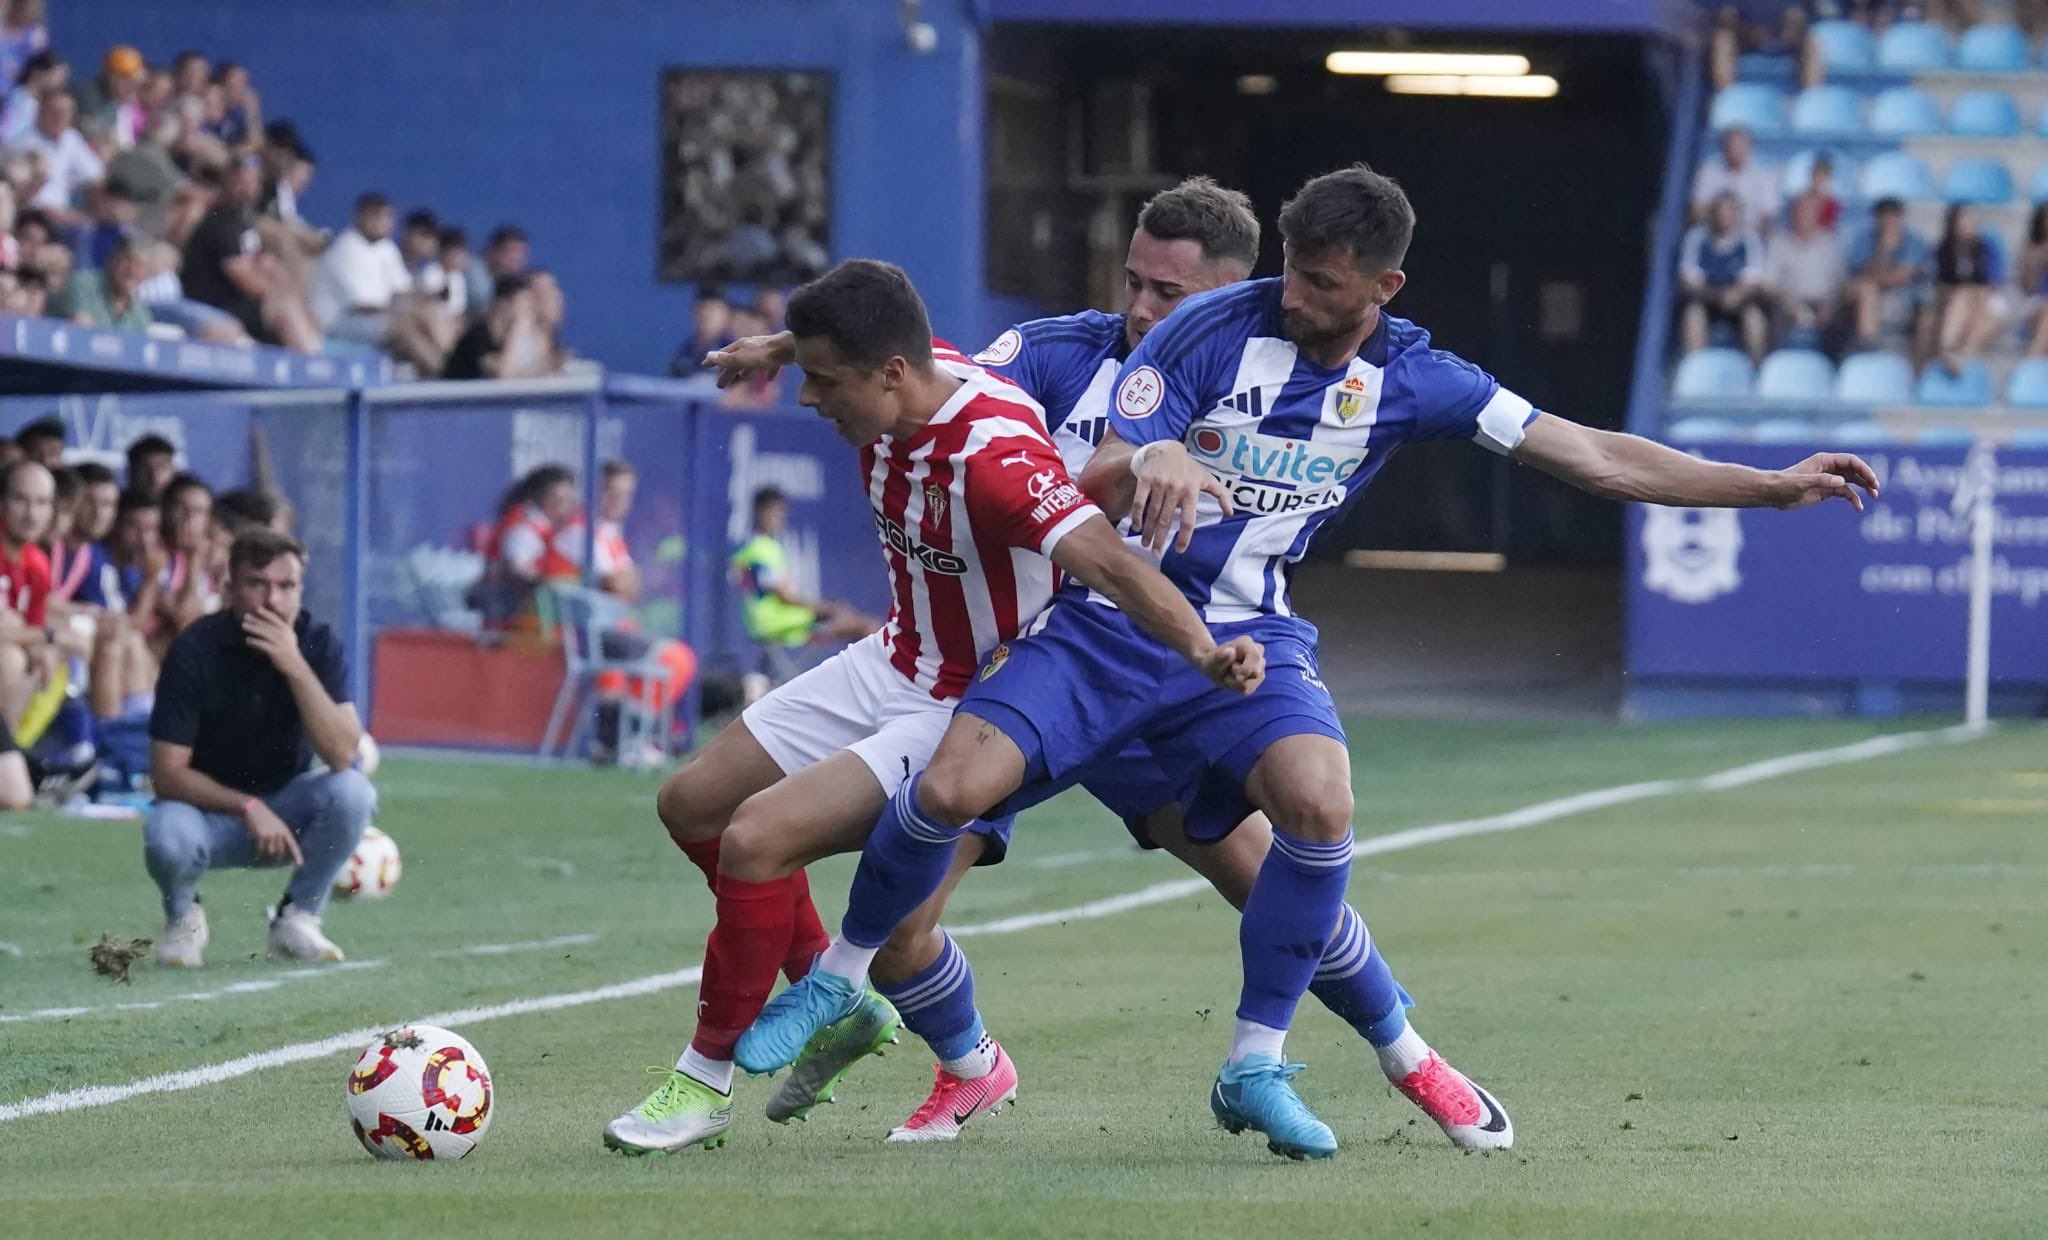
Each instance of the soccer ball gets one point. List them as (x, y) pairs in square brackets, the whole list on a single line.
[(421, 1093), (372, 869)]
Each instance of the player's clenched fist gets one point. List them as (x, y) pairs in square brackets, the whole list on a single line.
[(1238, 664)]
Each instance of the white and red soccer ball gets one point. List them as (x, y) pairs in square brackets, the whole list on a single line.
[(372, 869), (420, 1093)]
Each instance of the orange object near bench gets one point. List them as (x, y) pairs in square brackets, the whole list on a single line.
[(436, 687)]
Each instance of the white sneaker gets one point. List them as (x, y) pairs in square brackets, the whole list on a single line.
[(296, 933), (184, 940)]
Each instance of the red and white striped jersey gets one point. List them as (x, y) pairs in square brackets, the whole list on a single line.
[(968, 510)]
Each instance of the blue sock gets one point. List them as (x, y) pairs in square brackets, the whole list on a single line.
[(938, 1004), (903, 863), (1288, 924), (1355, 983)]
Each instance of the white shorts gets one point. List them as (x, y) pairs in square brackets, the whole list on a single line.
[(854, 700)]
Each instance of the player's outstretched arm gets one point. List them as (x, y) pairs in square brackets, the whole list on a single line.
[(1094, 555), (1630, 468), (738, 361), (1158, 485)]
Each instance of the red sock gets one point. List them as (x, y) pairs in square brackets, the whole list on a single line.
[(704, 854), (808, 938), (747, 946)]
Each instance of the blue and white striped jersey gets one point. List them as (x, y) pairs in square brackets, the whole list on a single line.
[(1067, 364), (1292, 440)]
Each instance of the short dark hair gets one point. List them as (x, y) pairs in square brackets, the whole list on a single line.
[(244, 508), (258, 546), (133, 499), (422, 220), (503, 233), (68, 484), (42, 428), (869, 310), (452, 235), (371, 200), (178, 485), (614, 468), (769, 495), (1355, 209), (510, 286), (93, 474), (1220, 220), (1895, 206), (150, 445)]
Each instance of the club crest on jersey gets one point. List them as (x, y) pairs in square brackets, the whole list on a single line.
[(996, 658), (934, 503), (1352, 399)]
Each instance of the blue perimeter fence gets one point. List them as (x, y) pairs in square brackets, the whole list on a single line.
[(392, 484)]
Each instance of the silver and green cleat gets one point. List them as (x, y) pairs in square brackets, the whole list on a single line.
[(831, 1054), (683, 1112)]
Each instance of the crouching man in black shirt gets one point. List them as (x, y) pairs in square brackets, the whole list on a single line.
[(248, 697)]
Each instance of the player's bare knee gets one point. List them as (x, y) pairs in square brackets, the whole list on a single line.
[(755, 848), (683, 811), (1317, 812), (950, 794)]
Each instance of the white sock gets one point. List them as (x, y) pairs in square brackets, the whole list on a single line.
[(1403, 1055), (1254, 1038), (976, 1063), (845, 960), (717, 1073)]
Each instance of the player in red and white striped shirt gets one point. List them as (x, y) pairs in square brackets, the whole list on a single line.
[(974, 509)]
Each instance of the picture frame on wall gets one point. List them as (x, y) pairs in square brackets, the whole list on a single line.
[(746, 175)]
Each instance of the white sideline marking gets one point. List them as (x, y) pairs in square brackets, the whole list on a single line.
[(252, 986), (92, 1096), (567, 869), (531, 945), (11, 950), (1060, 861), (15, 831)]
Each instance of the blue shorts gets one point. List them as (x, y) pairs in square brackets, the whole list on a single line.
[(1085, 682), (995, 838)]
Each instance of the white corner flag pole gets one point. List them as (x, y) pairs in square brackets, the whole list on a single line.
[(1979, 494)]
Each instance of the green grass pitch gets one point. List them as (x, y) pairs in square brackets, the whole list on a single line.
[(1812, 1005)]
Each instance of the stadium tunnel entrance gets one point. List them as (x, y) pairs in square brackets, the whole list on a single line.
[(1529, 259)]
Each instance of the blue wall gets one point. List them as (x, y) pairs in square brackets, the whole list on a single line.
[(544, 113)]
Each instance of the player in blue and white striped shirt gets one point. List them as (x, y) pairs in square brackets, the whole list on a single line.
[(1259, 411)]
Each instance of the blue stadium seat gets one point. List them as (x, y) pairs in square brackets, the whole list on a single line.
[(1702, 430), (1979, 182), (1905, 112), (1859, 435), (1895, 174), (1985, 114), (1784, 430), (2029, 439), (1844, 44), (1992, 49), (1829, 110), (1801, 376), (2028, 387), (1712, 374), (1748, 105), (1874, 379), (1946, 436), (1969, 387), (1910, 47), (2037, 191)]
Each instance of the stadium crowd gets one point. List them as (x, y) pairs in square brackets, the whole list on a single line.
[(160, 198)]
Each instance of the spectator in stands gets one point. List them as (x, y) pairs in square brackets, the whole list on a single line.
[(157, 89), (613, 568), (110, 217), (87, 583), (523, 549), (454, 259), (26, 291), (518, 337), (190, 587), (248, 698), (145, 173), (1736, 170), (41, 73), (1820, 191), (1732, 36), (710, 328), (136, 550), (287, 170), (106, 298), (1720, 274), (10, 247), (189, 72), (23, 35), (779, 618), (42, 441), (1804, 273), (249, 508), (99, 503), (72, 163), (27, 498), (163, 295), (1968, 307), (241, 117), (2032, 281), (112, 98), (364, 294), (225, 267), (152, 463), (507, 251), (1888, 276)]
